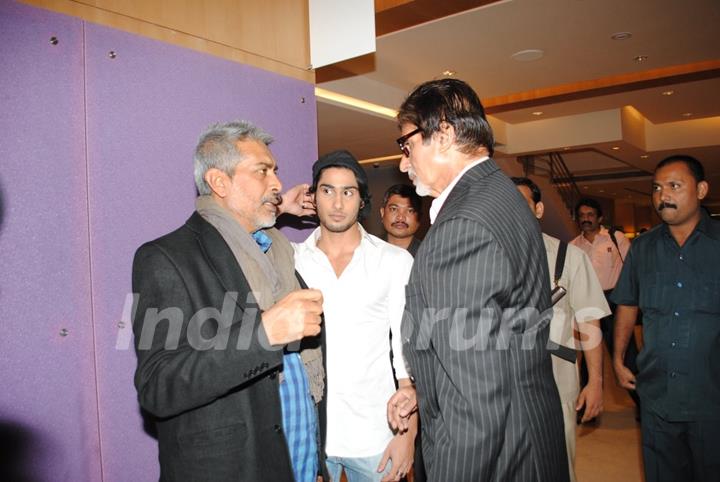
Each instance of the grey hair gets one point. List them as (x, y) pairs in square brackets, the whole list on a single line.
[(217, 149)]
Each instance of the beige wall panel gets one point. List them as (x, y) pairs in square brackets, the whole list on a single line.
[(271, 34)]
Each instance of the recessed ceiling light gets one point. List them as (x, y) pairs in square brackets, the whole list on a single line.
[(585, 187), (615, 148), (601, 190), (621, 36), (640, 58), (449, 73), (644, 156), (528, 55), (687, 114), (537, 112), (566, 148), (668, 92)]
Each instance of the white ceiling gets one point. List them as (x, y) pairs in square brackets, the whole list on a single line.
[(578, 53)]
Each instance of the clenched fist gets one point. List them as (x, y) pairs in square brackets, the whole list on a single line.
[(294, 317)]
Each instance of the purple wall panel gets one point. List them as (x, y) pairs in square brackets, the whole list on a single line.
[(145, 110), (48, 405)]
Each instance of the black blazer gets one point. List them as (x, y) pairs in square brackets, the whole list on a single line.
[(476, 343), (212, 386)]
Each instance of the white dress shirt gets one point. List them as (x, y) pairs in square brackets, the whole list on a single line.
[(361, 308), (438, 202)]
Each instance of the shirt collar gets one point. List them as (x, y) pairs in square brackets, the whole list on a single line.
[(365, 239), (706, 225), (438, 202), (263, 240)]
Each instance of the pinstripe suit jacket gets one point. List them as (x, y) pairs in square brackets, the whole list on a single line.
[(475, 337)]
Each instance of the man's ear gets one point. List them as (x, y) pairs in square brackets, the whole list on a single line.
[(445, 137), (702, 189), (382, 213), (539, 209), (218, 181)]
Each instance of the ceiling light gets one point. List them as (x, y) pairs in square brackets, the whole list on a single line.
[(566, 148), (668, 92), (528, 55), (615, 148), (345, 100), (644, 156), (378, 160), (537, 112), (687, 114), (640, 58), (601, 190), (621, 36), (449, 73), (585, 187)]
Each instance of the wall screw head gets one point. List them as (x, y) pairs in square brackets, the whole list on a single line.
[(302, 100), (64, 332), (112, 54), (54, 40)]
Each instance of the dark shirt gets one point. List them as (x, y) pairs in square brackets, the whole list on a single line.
[(412, 248), (414, 245), (678, 290)]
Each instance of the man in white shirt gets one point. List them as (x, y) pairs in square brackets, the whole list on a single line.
[(607, 255), (583, 303), (363, 280)]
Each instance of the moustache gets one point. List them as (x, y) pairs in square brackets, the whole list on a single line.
[(664, 205), (275, 199), (398, 225), (585, 223)]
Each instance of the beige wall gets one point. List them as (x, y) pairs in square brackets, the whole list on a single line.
[(272, 35)]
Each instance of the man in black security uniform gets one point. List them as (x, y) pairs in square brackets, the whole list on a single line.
[(672, 273)]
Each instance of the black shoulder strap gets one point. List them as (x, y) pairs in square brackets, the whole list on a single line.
[(560, 261), (614, 240)]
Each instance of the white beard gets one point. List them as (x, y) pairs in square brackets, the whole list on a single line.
[(421, 189)]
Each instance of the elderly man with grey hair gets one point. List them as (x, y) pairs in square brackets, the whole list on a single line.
[(228, 339)]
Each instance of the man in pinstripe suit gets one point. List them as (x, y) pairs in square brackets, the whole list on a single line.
[(475, 330)]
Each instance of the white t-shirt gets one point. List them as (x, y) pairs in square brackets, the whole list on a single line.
[(361, 308)]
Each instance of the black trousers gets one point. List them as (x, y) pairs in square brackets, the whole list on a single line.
[(607, 324), (680, 451)]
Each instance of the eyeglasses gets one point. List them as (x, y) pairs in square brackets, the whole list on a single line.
[(402, 141)]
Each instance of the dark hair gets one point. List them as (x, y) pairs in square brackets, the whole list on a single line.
[(452, 101), (527, 182), (693, 164), (589, 202), (404, 191), (345, 160)]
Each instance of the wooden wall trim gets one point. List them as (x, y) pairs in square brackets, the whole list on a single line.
[(604, 86), (285, 51)]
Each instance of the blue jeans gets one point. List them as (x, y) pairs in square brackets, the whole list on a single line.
[(357, 469)]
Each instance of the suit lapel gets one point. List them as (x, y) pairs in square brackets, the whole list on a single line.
[(219, 256)]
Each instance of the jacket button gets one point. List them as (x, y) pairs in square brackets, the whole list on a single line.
[(277, 428)]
